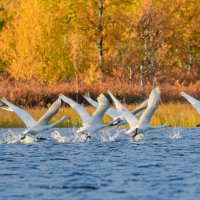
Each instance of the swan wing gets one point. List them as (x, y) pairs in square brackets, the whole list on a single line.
[(111, 111), (195, 103), (53, 109), (153, 102), (90, 100), (86, 118), (131, 119), (103, 105), (140, 107), (28, 120)]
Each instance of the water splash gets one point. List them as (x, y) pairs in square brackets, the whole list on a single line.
[(138, 137), (106, 135), (10, 137), (175, 134), (79, 137), (28, 140), (59, 138), (13, 137)]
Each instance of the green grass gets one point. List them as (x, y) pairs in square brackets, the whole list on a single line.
[(175, 114)]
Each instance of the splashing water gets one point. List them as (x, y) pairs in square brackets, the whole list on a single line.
[(78, 137), (106, 135), (10, 137), (28, 140), (175, 134), (61, 139)]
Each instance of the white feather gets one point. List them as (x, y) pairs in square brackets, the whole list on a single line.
[(90, 123), (195, 103)]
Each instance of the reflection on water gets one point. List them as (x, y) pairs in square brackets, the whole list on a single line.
[(164, 165)]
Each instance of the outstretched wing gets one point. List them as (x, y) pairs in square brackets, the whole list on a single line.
[(141, 107), (90, 100), (79, 109), (111, 111), (53, 109), (195, 103), (103, 105), (153, 102), (131, 119), (22, 114)]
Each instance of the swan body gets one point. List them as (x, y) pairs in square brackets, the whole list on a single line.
[(34, 127), (91, 123), (142, 125), (29, 140), (118, 119)]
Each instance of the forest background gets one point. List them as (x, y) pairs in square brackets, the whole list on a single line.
[(76, 46)]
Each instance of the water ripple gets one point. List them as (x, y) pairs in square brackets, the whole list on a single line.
[(165, 165)]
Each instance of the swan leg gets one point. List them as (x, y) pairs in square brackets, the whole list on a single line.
[(23, 137), (87, 137), (136, 132)]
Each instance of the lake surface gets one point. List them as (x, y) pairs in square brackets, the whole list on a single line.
[(164, 165)]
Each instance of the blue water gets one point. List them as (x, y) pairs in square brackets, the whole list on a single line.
[(162, 166)]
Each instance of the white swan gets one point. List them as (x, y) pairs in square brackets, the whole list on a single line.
[(142, 125), (195, 103), (118, 119), (34, 127), (91, 123)]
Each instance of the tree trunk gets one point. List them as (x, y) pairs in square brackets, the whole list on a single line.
[(142, 80), (188, 49), (100, 43)]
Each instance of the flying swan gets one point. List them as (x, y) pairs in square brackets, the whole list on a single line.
[(142, 125), (34, 127), (195, 103), (92, 123), (118, 119)]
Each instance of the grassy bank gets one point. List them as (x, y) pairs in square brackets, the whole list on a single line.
[(175, 114), (35, 94)]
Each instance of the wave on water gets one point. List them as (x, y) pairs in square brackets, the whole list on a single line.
[(175, 134)]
